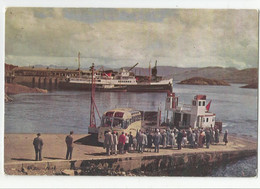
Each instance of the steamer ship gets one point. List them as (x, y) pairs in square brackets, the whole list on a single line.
[(124, 80)]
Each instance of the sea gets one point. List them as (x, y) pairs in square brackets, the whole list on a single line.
[(63, 111)]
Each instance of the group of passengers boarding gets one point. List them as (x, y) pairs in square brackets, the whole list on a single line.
[(145, 141)]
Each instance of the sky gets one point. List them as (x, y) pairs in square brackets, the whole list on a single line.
[(122, 37)]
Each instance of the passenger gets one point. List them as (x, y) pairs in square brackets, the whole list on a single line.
[(207, 138), (193, 139), (121, 143), (184, 138), (197, 137), (217, 136), (179, 139), (69, 142), (201, 136), (114, 149), (189, 136), (126, 143), (135, 143), (175, 130), (130, 141), (145, 142), (172, 139), (211, 131), (149, 141), (168, 133), (108, 142), (157, 141), (225, 139), (164, 140), (141, 142), (137, 137), (38, 143)]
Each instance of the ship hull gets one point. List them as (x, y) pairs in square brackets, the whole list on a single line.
[(126, 88)]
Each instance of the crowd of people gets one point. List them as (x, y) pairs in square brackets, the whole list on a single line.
[(146, 141), (149, 140)]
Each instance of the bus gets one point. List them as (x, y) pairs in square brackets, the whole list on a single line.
[(120, 120)]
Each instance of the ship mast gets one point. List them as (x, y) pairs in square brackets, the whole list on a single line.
[(79, 63), (93, 107), (150, 71)]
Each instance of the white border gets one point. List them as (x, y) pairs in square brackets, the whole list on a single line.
[(116, 182)]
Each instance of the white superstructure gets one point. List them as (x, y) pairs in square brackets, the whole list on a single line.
[(195, 115)]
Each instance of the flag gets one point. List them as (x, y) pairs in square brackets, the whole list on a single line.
[(208, 106)]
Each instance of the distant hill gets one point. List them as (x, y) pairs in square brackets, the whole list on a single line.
[(230, 75), (203, 81)]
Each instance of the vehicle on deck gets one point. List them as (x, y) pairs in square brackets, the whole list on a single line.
[(120, 120)]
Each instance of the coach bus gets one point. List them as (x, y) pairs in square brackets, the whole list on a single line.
[(120, 120)]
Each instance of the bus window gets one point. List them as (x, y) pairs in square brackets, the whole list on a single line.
[(117, 123), (126, 124), (106, 121)]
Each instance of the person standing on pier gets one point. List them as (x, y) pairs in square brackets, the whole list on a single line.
[(69, 142), (207, 138), (145, 141), (201, 138), (179, 139), (149, 141), (126, 143), (193, 139), (217, 136), (121, 143), (130, 141), (164, 139), (108, 143), (157, 141), (141, 142), (171, 138), (38, 143), (225, 139), (115, 140)]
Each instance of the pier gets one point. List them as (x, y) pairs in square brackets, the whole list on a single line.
[(45, 78), (19, 156)]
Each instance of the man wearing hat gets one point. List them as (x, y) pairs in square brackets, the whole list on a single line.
[(38, 143), (69, 142)]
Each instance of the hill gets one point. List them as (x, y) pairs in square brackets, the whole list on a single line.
[(203, 81)]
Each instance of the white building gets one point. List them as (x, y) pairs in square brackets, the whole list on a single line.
[(195, 115)]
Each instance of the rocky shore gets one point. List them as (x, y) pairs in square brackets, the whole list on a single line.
[(251, 86), (13, 89), (203, 81)]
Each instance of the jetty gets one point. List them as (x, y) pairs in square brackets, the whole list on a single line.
[(89, 156)]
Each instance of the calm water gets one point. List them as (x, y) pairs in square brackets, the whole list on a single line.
[(62, 111)]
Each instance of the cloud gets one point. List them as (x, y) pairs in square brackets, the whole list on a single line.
[(122, 37)]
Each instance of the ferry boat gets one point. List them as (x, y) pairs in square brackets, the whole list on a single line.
[(194, 115), (124, 80)]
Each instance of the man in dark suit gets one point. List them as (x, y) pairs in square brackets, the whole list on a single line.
[(69, 142), (38, 143)]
